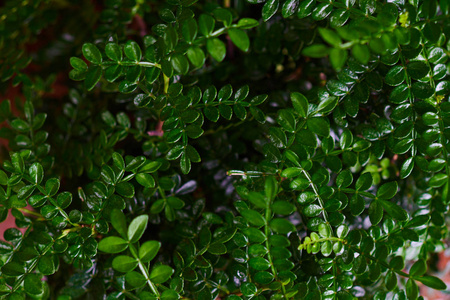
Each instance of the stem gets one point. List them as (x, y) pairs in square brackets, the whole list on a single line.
[(411, 101), (444, 142), (316, 192), (30, 269), (144, 271), (267, 233), (30, 212)]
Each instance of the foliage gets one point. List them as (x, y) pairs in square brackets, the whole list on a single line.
[(292, 149)]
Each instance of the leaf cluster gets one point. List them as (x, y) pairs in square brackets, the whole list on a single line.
[(293, 149)]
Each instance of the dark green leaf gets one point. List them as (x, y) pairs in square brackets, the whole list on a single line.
[(33, 284), (92, 54), (114, 52), (432, 282), (259, 263), (269, 9), (394, 210), (319, 126), (387, 190), (418, 268), (133, 51)]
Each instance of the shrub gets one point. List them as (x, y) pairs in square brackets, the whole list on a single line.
[(262, 150)]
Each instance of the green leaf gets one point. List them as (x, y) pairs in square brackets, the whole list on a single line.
[(248, 289), (36, 172), (283, 208), (330, 36), (46, 265), (321, 11), (52, 186), (312, 210), (133, 51), (124, 263), (64, 199), (137, 227), (135, 163), (269, 9), (93, 76), (114, 52), (395, 76), (148, 250), (338, 57), (412, 290), (342, 231), (253, 217), (125, 189), (432, 282), (316, 51), (359, 265), (258, 199), (189, 30), (407, 167), (216, 48), (364, 182), (271, 187), (326, 248), (417, 69), (13, 269), (33, 284), (418, 268), (344, 179), (180, 64), (91, 53), (113, 244), (324, 230), (161, 274), (212, 113), (287, 120), (397, 263), (145, 179), (394, 210), (387, 190), (247, 23), (300, 104), (357, 205), (375, 212), (259, 263), (239, 38), (196, 56), (438, 180), (217, 249), (390, 280), (78, 64), (306, 197), (289, 8), (319, 126), (18, 164), (206, 24), (118, 221), (361, 53), (135, 279)]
